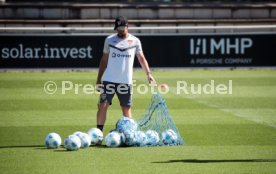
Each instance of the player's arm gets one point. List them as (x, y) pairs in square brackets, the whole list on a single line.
[(144, 64), (102, 66)]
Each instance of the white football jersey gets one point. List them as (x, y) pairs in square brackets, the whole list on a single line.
[(121, 58)]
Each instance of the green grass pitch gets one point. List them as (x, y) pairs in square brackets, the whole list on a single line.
[(223, 133)]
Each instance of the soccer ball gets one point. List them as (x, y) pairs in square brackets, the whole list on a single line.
[(130, 139), (52, 141), (113, 139), (72, 143), (126, 125), (85, 139), (78, 133), (96, 136), (123, 138), (169, 137), (140, 138), (153, 138)]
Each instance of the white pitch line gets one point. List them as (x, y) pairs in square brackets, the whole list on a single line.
[(256, 120)]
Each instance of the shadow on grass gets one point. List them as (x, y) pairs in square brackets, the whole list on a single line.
[(218, 161), (64, 150), (98, 146), (104, 146), (24, 146), (45, 148), (61, 148)]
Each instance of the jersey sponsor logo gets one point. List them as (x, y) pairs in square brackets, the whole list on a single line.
[(117, 55)]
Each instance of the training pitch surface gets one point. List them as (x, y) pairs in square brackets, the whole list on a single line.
[(230, 133)]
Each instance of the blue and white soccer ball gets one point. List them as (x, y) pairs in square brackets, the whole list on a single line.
[(96, 136), (153, 138), (169, 137), (52, 141), (130, 139), (140, 138), (123, 138), (113, 139), (78, 133), (84, 138), (126, 125), (72, 143)]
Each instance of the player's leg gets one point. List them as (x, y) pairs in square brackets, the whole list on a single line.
[(101, 114), (126, 111), (125, 98), (104, 102)]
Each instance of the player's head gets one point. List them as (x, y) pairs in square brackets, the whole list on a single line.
[(121, 26)]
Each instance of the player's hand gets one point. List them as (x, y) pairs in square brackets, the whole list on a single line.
[(151, 79)]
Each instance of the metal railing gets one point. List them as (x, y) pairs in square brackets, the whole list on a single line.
[(152, 28)]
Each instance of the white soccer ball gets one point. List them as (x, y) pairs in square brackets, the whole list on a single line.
[(52, 141), (126, 125), (85, 139), (72, 143), (169, 137), (140, 138), (113, 139), (96, 136), (153, 138)]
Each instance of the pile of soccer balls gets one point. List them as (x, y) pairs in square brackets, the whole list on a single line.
[(126, 133), (75, 141)]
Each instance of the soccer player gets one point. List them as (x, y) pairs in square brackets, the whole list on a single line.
[(116, 67)]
